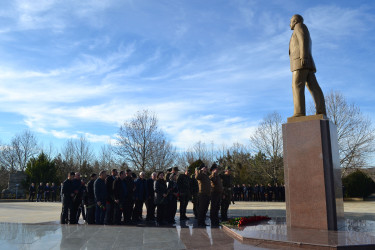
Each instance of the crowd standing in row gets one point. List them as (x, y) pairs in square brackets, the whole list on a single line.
[(119, 197), (259, 192), (43, 192)]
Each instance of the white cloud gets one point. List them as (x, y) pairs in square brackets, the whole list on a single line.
[(335, 22)]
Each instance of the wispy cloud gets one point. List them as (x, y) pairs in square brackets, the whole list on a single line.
[(72, 68)]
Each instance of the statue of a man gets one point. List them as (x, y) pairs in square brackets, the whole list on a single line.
[(303, 67)]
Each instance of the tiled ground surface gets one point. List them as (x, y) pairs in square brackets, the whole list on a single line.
[(26, 225)]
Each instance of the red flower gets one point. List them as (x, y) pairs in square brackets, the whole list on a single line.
[(247, 220)]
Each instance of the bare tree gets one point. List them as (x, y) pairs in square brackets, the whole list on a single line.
[(107, 158), (139, 141), (68, 152), (163, 155), (268, 140), (25, 146), (82, 151), (8, 158), (49, 150), (200, 151), (356, 136)]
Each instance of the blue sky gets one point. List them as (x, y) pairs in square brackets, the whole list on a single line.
[(211, 70)]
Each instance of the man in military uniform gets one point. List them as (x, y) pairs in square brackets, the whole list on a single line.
[(204, 193), (67, 200), (183, 184), (216, 194), (169, 172), (194, 189), (227, 181)]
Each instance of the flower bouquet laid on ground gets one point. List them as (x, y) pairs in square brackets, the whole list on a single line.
[(245, 221)]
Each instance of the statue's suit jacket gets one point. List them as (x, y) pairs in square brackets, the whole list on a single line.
[(300, 47)]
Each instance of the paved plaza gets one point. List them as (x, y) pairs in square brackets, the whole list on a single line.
[(26, 225)]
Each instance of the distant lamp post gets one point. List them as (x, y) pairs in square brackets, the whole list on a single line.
[(17, 190)]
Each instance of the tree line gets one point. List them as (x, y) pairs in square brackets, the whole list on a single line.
[(142, 145)]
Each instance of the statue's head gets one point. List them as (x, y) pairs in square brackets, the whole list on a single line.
[(294, 20)]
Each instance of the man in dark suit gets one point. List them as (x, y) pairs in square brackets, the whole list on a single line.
[(67, 200), (119, 196), (32, 192), (53, 192), (129, 201), (183, 184), (90, 200), (150, 204), (40, 192), (110, 202), (140, 195), (303, 67), (100, 192)]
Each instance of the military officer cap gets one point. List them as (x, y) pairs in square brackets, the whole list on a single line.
[(176, 169), (202, 166), (213, 167), (169, 170)]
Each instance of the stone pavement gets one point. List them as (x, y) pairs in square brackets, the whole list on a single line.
[(26, 225)]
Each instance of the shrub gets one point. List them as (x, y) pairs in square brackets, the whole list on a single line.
[(358, 184)]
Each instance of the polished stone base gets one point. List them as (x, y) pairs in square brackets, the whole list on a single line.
[(312, 175), (356, 234)]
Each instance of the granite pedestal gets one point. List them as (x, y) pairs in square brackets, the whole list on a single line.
[(312, 173)]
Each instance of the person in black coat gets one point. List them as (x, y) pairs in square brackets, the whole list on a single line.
[(262, 192), (110, 202), (40, 192), (129, 200), (90, 200), (172, 198), (160, 199), (100, 192), (256, 193), (67, 200), (119, 196), (78, 195), (150, 204), (47, 190), (250, 192), (140, 195), (53, 192), (32, 192), (183, 184), (269, 191), (277, 190)]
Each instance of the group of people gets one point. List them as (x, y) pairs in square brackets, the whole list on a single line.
[(118, 198), (259, 192), (43, 192)]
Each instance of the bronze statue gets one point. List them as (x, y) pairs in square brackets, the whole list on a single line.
[(303, 67)]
